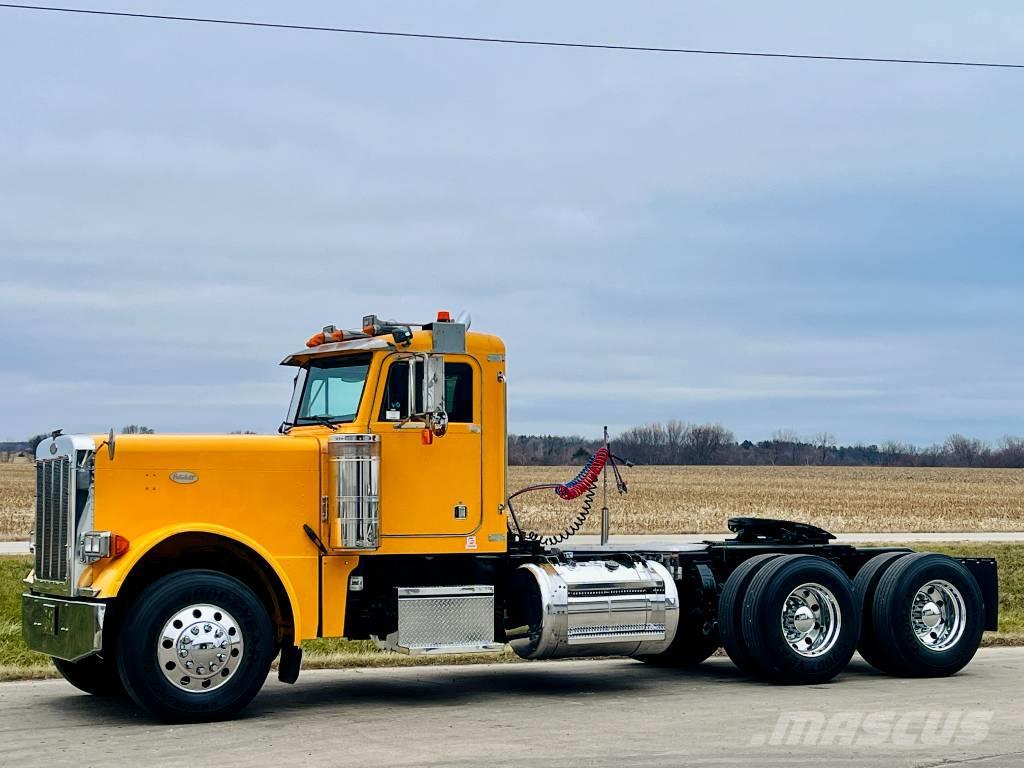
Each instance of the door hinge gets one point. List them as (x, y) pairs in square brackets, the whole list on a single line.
[(323, 509)]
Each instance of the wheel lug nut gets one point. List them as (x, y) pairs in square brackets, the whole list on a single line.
[(189, 664), (213, 668), (221, 657), (183, 653), (218, 633), (200, 670), (207, 627), (194, 630), (186, 640)]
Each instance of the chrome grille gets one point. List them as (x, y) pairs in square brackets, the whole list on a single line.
[(53, 515)]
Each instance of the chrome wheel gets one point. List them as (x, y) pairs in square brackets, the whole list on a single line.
[(200, 647), (811, 620), (938, 615)]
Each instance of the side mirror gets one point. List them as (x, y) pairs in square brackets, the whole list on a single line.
[(433, 394), (426, 385)]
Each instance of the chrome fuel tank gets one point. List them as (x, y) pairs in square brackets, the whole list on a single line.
[(610, 607)]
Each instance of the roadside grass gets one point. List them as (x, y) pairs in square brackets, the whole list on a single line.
[(19, 663), (1011, 585)]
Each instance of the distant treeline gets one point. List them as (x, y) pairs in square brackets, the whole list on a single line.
[(676, 442)]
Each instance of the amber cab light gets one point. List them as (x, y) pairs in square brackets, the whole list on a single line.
[(329, 333)]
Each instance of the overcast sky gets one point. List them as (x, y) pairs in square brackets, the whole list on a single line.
[(769, 244)]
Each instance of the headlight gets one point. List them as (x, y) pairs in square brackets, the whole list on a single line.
[(94, 545)]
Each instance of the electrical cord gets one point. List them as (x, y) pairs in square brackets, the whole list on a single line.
[(584, 484)]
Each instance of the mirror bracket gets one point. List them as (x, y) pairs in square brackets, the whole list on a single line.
[(427, 400)]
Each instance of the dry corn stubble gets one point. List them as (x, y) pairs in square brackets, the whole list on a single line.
[(841, 499)]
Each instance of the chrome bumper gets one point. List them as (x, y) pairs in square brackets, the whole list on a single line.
[(67, 629)]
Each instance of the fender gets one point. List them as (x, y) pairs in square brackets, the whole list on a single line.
[(109, 581)]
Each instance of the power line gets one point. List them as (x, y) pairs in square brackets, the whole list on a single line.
[(511, 41)]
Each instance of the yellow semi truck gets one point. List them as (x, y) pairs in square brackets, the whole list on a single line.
[(176, 568)]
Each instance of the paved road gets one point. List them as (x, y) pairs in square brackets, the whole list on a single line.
[(567, 713), (654, 542)]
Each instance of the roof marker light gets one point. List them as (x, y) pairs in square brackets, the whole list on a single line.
[(444, 316), (329, 333)]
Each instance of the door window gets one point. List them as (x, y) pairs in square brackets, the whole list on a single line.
[(458, 392)]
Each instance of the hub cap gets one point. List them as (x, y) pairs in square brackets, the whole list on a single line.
[(811, 620), (937, 615), (200, 647)]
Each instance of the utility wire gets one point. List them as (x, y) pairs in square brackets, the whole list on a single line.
[(510, 41)]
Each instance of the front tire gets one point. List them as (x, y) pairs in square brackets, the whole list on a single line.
[(195, 646), (94, 674)]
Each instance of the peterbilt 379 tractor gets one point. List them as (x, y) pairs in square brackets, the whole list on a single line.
[(175, 569)]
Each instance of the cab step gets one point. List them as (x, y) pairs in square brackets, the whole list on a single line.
[(443, 620)]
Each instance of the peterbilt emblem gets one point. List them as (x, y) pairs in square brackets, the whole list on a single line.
[(184, 477), (53, 447)]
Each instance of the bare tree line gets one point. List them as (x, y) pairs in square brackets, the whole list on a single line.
[(677, 442)]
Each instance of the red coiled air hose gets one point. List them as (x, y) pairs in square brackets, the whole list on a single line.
[(586, 478)]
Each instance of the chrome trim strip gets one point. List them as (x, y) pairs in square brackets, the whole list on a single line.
[(456, 591)]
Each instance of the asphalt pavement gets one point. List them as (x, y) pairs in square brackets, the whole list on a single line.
[(563, 713)]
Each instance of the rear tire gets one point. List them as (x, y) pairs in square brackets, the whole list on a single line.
[(689, 648), (195, 646), (94, 674), (800, 621), (864, 587), (927, 616), (730, 608)]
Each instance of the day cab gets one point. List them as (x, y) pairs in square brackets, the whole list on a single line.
[(294, 518)]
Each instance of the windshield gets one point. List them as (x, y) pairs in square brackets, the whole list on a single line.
[(333, 389)]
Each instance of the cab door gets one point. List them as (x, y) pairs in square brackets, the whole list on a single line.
[(432, 487)]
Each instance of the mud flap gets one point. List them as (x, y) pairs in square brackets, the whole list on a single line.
[(289, 665)]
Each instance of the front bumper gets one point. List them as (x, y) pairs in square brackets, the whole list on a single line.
[(67, 629)]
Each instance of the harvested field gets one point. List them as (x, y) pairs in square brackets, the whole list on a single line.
[(700, 499), (17, 500), (842, 499)]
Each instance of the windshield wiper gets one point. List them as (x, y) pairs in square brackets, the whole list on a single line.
[(325, 420)]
